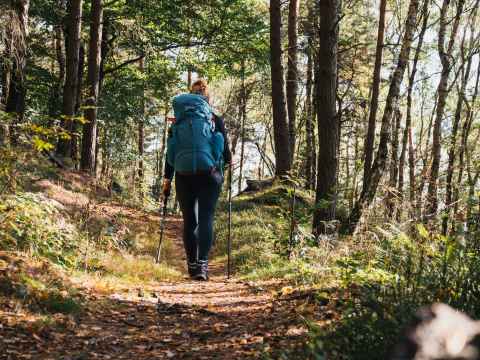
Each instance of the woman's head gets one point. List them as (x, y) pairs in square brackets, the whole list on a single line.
[(200, 87)]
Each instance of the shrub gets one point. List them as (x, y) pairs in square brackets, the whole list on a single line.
[(33, 223), (37, 285), (388, 280)]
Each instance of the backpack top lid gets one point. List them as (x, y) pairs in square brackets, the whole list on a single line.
[(190, 106)]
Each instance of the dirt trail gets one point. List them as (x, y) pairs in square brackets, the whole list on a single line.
[(218, 319)]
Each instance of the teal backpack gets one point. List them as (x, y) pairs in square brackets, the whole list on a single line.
[(194, 146)]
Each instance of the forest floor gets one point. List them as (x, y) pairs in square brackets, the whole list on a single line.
[(177, 319)]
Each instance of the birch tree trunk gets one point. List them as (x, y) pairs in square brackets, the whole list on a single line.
[(444, 52), (407, 139), (370, 138), (392, 184), (378, 167)]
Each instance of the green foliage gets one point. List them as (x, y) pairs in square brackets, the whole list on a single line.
[(8, 169), (260, 236), (130, 268), (33, 223), (385, 285), (37, 285)]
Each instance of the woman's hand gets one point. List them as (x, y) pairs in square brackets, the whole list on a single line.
[(166, 188)]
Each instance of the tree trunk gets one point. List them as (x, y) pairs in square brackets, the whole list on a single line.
[(356, 168), (104, 172), (280, 121), (15, 103), (456, 122), (369, 191), (60, 58), (464, 142), (75, 142), (411, 169), (262, 161), (72, 39), (326, 109), (472, 179), (243, 115), (140, 176), (370, 138), (141, 148), (407, 133), (87, 162), (316, 75), (451, 161), (6, 67), (309, 130), (309, 110), (60, 52), (442, 91), (392, 184), (106, 47), (425, 161), (292, 73)]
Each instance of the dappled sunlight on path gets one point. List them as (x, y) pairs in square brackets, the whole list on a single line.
[(219, 319)]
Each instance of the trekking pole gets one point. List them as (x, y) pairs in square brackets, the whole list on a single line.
[(229, 240), (162, 226)]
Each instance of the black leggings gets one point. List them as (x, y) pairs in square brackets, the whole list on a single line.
[(197, 196)]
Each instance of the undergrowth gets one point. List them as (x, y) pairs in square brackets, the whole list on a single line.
[(378, 278), (55, 218), (130, 268), (263, 243), (37, 285), (34, 224)]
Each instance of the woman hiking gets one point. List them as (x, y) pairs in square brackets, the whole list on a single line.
[(197, 150)]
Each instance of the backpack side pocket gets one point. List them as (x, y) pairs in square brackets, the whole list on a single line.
[(218, 144)]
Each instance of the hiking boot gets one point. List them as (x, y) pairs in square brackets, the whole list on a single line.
[(193, 269), (202, 274)]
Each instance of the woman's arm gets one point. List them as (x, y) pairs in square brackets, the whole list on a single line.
[(220, 127), (169, 170)]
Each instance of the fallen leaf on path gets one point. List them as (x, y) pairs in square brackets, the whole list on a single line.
[(287, 290)]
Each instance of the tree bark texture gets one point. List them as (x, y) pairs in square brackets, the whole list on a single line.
[(378, 167), (452, 154), (140, 176), (467, 125), (392, 184), (75, 144), (243, 116), (15, 102), (327, 119), (444, 52), (372, 119), (280, 118), (310, 151), (292, 73), (407, 133), (60, 58), (72, 39), (87, 162)]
